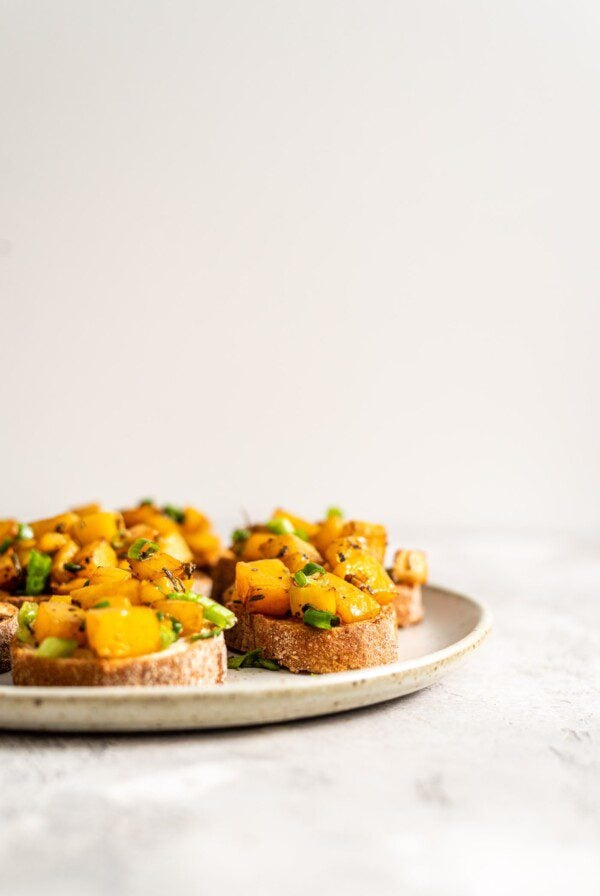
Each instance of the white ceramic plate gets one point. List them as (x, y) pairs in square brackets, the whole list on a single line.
[(454, 626)]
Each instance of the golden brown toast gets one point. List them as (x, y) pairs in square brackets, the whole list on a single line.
[(301, 648), (186, 662), (8, 627)]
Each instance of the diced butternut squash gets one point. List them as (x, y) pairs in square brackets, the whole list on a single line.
[(368, 574), (149, 592), (51, 542), (153, 567), (60, 599), (205, 546), (86, 509), (410, 567), (92, 594), (58, 620), (194, 521), (9, 569), (300, 524), (351, 604), (188, 612), (109, 574), (291, 550), (96, 526), (63, 523), (174, 543), (251, 548), (375, 535), (66, 554), (346, 548), (317, 593), (263, 586), (94, 554), (113, 632), (326, 532)]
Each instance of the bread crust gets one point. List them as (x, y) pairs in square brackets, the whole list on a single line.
[(8, 627), (408, 605), (301, 648), (185, 663), (223, 574)]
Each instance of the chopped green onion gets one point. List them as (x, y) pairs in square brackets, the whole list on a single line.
[(25, 532), (146, 502), (24, 635), (177, 626), (142, 548), (300, 579), (28, 613), (38, 570), (244, 661), (206, 633), (280, 526), (240, 535), (213, 612), (320, 618), (101, 605), (56, 648), (5, 545), (302, 534), (167, 636), (334, 511), (271, 665), (311, 568), (72, 567), (175, 513), (253, 659)]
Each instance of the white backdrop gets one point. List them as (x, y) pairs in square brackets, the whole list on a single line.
[(318, 252)]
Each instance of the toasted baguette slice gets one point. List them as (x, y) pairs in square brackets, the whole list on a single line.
[(301, 648), (8, 627), (408, 605), (184, 663)]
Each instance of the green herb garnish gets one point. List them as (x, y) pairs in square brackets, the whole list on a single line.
[(280, 526), (334, 511), (146, 502), (300, 579), (38, 570), (253, 659), (240, 535), (72, 567), (28, 613), (167, 636), (142, 548), (101, 605), (175, 513), (213, 612), (56, 648), (320, 618), (25, 532), (5, 545), (311, 568)]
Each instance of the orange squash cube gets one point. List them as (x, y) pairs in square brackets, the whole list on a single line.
[(94, 554), (263, 586), (410, 567), (188, 612), (326, 532), (96, 526), (317, 593), (153, 567), (250, 549), (104, 575), (174, 544), (351, 604), (375, 535), (93, 594), (291, 550), (113, 632), (297, 522), (59, 620)]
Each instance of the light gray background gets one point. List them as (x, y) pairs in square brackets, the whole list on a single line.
[(309, 252)]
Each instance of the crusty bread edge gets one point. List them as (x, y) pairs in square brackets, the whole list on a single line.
[(185, 663), (8, 627), (301, 648)]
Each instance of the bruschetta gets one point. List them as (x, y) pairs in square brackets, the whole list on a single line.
[(138, 623)]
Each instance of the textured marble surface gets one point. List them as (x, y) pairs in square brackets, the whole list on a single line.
[(488, 782)]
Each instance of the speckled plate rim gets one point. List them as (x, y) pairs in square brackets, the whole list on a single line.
[(250, 701)]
